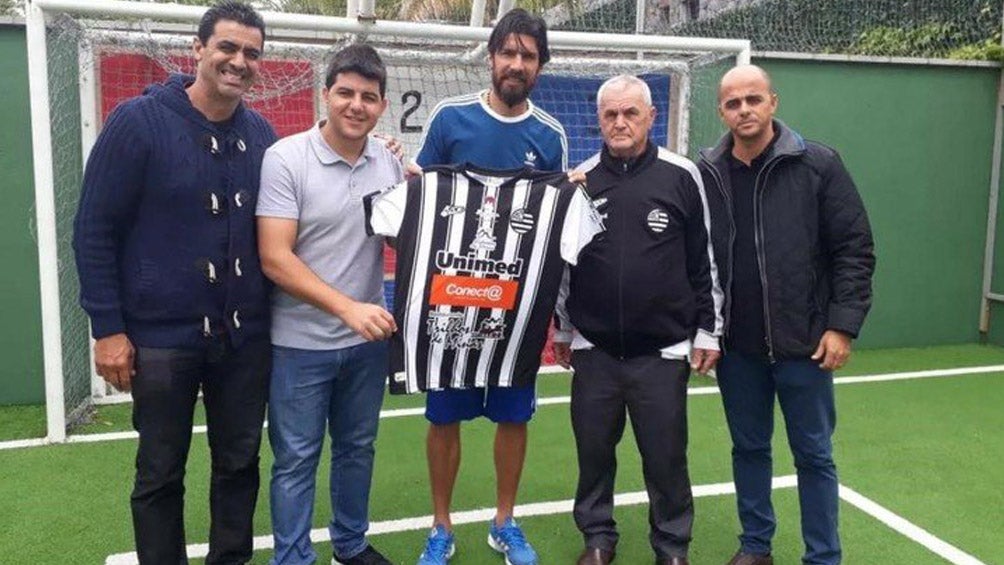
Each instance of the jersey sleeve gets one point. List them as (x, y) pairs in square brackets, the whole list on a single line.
[(563, 330), (385, 210), (582, 223)]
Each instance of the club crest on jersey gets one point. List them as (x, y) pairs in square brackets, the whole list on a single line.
[(484, 238), (450, 210), (530, 159), (483, 241), (658, 220), (521, 221)]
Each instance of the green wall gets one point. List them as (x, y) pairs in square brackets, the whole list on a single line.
[(21, 329), (918, 142)]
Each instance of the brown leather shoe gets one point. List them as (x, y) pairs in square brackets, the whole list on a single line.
[(741, 558), (595, 556), (672, 561)]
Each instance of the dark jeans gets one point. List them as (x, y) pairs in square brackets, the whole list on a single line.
[(805, 393), (654, 392), (234, 385)]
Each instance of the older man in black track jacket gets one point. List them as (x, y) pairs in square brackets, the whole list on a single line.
[(641, 300)]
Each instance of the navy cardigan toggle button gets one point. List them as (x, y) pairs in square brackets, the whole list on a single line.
[(210, 142), (209, 269), (214, 204)]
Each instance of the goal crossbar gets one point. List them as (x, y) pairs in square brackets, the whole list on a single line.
[(556, 38)]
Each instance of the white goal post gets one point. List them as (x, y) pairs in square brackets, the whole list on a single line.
[(410, 49)]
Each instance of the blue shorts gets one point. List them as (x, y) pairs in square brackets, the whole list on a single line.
[(513, 405)]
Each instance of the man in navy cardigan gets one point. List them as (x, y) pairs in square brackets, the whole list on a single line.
[(170, 277)]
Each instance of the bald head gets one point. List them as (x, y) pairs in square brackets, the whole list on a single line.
[(745, 75)]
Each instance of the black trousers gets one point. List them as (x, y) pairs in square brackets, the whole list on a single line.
[(234, 385), (653, 391)]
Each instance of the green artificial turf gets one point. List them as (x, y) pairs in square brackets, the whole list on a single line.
[(22, 422), (557, 540), (927, 449), (30, 421)]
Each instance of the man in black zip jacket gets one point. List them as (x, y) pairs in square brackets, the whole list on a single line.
[(795, 249), (640, 301)]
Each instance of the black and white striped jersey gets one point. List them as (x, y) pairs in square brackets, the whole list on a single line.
[(480, 256)]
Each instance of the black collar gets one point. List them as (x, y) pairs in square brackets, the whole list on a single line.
[(786, 142), (757, 161), (631, 165)]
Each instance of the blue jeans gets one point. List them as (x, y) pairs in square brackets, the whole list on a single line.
[(343, 388), (805, 393)]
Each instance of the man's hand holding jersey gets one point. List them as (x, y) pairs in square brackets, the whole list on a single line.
[(368, 320)]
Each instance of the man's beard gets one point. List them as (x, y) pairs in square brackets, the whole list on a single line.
[(512, 95)]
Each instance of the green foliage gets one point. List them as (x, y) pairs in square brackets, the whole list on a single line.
[(10, 8), (989, 50), (912, 28), (928, 40)]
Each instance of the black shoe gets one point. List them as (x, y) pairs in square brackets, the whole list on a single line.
[(595, 556), (368, 556), (741, 558)]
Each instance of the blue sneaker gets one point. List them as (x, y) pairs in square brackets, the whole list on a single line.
[(439, 547), (508, 539)]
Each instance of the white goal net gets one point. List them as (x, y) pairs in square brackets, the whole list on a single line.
[(96, 53)]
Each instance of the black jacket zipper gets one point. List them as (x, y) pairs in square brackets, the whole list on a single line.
[(758, 190)]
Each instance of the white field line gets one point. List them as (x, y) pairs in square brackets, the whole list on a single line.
[(20, 443), (897, 523), (320, 535), (916, 533), (403, 412)]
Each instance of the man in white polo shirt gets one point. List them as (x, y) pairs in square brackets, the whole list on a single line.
[(329, 323)]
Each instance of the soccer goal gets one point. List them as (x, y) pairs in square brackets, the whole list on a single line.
[(86, 56)]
